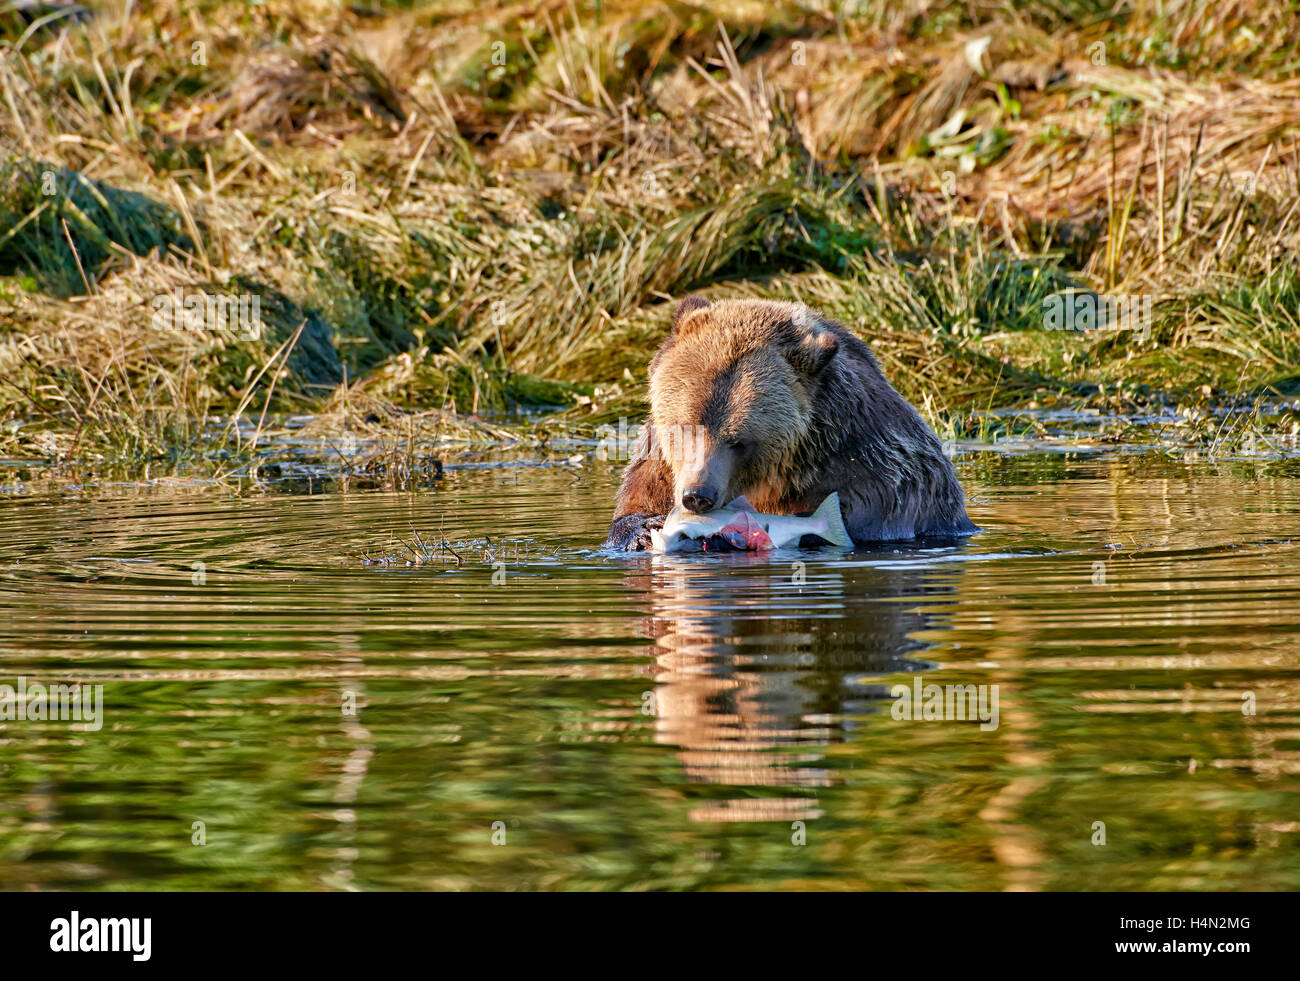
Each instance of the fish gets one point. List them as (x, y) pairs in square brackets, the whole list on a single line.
[(743, 528)]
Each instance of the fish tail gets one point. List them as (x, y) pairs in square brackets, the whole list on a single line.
[(828, 512)]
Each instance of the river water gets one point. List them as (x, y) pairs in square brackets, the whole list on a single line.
[(288, 704)]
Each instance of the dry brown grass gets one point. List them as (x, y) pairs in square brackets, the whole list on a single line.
[(472, 206)]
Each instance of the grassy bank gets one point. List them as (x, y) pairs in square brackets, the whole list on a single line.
[(449, 208)]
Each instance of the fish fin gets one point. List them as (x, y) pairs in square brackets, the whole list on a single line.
[(741, 503), (657, 542), (829, 512)]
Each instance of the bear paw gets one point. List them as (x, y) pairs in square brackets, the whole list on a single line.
[(631, 533)]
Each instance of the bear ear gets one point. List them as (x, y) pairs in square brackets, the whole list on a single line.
[(812, 350), (688, 306)]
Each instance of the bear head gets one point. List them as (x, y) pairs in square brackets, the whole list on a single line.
[(732, 394)]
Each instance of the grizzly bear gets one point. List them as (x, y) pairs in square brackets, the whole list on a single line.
[(770, 400)]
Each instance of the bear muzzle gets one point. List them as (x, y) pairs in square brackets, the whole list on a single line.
[(701, 499), (704, 483)]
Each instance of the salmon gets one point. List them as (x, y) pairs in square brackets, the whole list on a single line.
[(741, 527)]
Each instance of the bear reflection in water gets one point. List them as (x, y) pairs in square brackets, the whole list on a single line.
[(754, 675)]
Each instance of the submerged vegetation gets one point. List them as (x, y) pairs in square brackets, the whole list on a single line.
[(446, 210)]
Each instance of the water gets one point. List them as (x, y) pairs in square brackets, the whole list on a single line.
[(642, 723)]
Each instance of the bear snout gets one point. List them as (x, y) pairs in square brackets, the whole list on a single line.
[(700, 499)]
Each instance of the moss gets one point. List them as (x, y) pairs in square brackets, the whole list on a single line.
[(60, 225)]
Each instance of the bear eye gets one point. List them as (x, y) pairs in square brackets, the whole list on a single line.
[(738, 445)]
